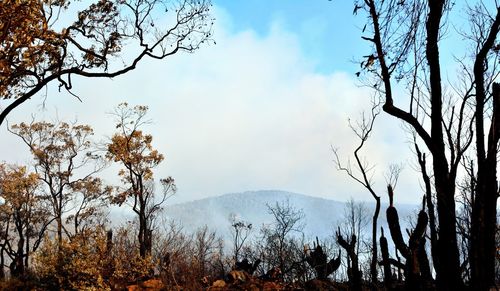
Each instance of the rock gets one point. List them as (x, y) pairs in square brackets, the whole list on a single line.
[(219, 284), (151, 284), (238, 276)]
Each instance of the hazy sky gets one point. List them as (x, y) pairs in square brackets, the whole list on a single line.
[(261, 109)]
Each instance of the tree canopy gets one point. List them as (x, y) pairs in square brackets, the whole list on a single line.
[(40, 43)]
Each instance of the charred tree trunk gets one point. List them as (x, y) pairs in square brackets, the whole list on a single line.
[(423, 261), (318, 260), (417, 271), (448, 272), (142, 233), (483, 220), (148, 241), (109, 266), (17, 265), (2, 262), (384, 249), (27, 252), (353, 271), (483, 228), (373, 264), (430, 206)]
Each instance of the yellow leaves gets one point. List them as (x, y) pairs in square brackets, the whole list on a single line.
[(24, 38), (135, 152), (90, 262), (76, 264), (17, 185), (54, 143)]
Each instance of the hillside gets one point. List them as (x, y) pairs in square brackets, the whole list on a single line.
[(321, 215)]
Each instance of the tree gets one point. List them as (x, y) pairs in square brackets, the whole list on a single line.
[(240, 230), (66, 165), (190, 260), (355, 221), (405, 38), (40, 44), (363, 130), (280, 248), (318, 260), (362, 173), (350, 238), (417, 270), (25, 216), (206, 246), (133, 150)]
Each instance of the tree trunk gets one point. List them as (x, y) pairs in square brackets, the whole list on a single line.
[(142, 233), (384, 249), (2, 262), (448, 274), (484, 212), (353, 272), (59, 231), (373, 265)]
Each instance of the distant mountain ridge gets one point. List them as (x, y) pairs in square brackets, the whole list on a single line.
[(321, 215)]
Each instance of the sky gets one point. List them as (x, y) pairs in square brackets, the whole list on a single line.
[(260, 109)]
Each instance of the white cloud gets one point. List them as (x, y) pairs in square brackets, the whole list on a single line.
[(248, 113)]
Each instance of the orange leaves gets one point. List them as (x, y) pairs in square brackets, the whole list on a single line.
[(54, 144), (131, 147), (17, 185), (75, 264), (26, 43), (135, 152), (61, 151), (39, 44)]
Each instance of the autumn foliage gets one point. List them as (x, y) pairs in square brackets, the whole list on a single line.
[(44, 42)]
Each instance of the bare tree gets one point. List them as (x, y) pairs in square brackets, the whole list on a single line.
[(280, 248), (362, 174), (240, 231)]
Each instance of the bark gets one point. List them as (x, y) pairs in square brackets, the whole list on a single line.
[(483, 221), (373, 265), (446, 248), (484, 212), (318, 260), (385, 260), (142, 234), (2, 262), (353, 271), (417, 271), (423, 262), (17, 265), (59, 230), (448, 272)]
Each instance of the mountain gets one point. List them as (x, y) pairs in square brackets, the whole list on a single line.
[(322, 216)]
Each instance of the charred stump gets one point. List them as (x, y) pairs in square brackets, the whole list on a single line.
[(318, 260), (417, 270), (353, 271)]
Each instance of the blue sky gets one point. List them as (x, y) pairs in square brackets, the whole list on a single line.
[(328, 33), (261, 109)]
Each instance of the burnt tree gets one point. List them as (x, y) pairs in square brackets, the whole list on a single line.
[(406, 58)]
